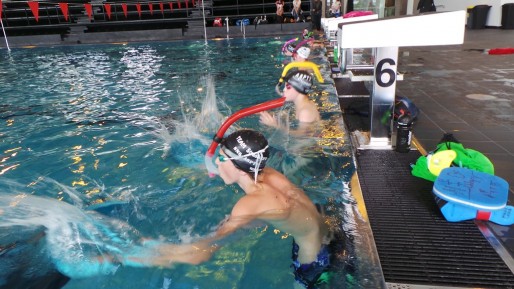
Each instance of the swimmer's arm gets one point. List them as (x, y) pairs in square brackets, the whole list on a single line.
[(201, 251), (306, 120), (166, 255), (294, 132), (194, 253), (268, 119)]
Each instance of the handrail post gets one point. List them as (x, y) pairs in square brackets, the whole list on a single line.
[(5, 35)]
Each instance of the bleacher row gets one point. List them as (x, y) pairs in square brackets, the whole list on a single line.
[(19, 13), (43, 17)]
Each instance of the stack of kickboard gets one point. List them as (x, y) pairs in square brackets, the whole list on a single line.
[(465, 186), (465, 194)]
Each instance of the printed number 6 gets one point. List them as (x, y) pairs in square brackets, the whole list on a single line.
[(389, 71)]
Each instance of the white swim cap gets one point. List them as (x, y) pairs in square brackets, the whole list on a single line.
[(303, 52)]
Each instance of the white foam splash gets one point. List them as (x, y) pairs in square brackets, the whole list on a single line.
[(209, 118), (75, 239), (192, 126)]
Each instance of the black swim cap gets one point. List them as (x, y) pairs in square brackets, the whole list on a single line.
[(301, 81), (248, 150)]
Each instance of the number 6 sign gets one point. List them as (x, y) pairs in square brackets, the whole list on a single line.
[(385, 36), (384, 90)]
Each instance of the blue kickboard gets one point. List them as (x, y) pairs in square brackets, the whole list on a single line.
[(472, 188), (453, 212)]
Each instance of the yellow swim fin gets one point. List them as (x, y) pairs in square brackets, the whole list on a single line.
[(440, 161)]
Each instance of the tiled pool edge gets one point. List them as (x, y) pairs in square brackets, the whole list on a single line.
[(374, 277)]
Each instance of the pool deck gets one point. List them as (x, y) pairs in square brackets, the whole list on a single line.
[(460, 90)]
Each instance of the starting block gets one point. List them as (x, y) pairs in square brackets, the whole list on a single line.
[(465, 194)]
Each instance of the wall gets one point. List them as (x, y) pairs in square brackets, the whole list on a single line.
[(495, 13)]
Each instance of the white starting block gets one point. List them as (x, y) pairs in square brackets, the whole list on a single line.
[(384, 36)]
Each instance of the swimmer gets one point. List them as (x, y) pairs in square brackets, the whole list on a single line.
[(306, 34), (269, 197), (297, 86), (301, 54), (289, 50)]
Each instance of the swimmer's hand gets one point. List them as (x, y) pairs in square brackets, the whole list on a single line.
[(268, 119)]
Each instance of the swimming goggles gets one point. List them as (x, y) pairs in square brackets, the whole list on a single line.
[(223, 158)]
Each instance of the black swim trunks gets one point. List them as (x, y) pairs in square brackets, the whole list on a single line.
[(310, 275)]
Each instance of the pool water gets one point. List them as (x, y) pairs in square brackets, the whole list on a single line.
[(104, 145)]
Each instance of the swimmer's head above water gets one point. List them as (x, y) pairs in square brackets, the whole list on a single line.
[(301, 81), (289, 50), (247, 149), (302, 53)]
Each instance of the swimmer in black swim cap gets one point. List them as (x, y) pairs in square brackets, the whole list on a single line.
[(301, 81), (247, 149), (298, 83), (274, 200)]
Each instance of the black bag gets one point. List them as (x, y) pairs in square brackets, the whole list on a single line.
[(426, 6)]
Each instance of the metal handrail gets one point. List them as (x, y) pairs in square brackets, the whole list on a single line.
[(117, 11), (51, 16)]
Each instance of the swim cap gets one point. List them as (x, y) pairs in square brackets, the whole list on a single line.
[(290, 48), (248, 150), (303, 52), (301, 81)]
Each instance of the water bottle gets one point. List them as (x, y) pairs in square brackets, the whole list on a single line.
[(403, 133)]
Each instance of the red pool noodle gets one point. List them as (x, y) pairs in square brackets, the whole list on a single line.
[(500, 51)]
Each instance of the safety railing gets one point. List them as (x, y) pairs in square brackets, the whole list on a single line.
[(23, 15)]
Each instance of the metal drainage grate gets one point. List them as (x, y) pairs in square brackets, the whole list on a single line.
[(416, 245)]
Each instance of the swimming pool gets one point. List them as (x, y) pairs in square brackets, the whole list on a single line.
[(103, 145)]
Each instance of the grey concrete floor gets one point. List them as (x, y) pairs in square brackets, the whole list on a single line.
[(464, 91), (461, 90)]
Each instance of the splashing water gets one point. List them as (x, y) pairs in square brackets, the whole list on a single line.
[(209, 118), (193, 126), (75, 239)]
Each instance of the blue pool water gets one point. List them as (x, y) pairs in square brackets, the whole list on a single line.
[(104, 145)]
